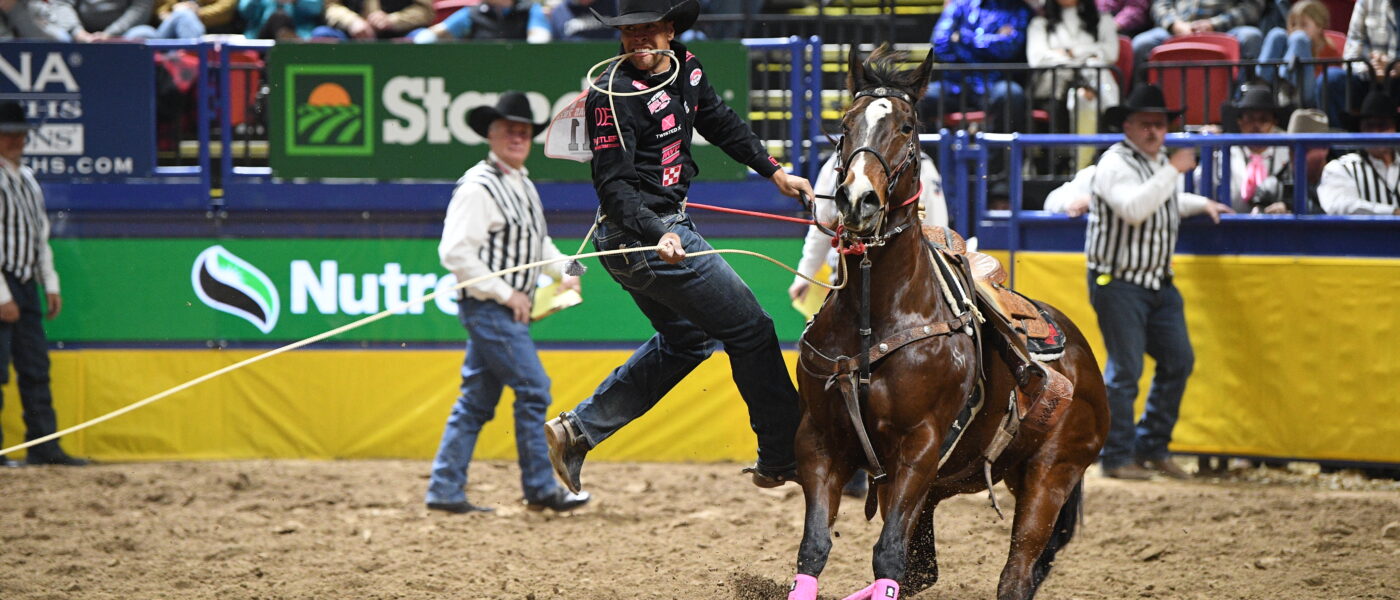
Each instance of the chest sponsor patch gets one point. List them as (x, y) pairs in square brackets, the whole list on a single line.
[(602, 117), (639, 85), (671, 175), (668, 122), (695, 77), (671, 152), (659, 102)]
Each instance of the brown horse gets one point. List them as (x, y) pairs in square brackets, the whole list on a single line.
[(920, 382)]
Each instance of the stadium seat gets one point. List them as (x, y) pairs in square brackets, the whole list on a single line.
[(243, 83), (1338, 38), (1226, 42), (1185, 87), (1125, 65), (444, 8)]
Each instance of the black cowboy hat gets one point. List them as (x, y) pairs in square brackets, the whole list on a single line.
[(681, 14), (1145, 98), (512, 106), (12, 118), (1254, 95), (1376, 104)]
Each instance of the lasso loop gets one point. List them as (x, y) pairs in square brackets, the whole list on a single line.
[(675, 70), (382, 315)]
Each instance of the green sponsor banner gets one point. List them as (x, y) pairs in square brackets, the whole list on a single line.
[(283, 290), (399, 111)]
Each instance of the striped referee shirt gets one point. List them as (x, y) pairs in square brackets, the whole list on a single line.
[(1134, 216), (24, 230), (1357, 184), (495, 222)]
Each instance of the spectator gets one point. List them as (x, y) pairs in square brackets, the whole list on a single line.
[(279, 19), (108, 19), (495, 222), (57, 18), (1133, 221), (1261, 177), (979, 31), (730, 9), (1130, 16), (16, 22), (572, 21), (179, 20), (1305, 38), (1072, 33), (373, 19), (490, 20), (27, 263), (1373, 37), (1239, 18), (1365, 182)]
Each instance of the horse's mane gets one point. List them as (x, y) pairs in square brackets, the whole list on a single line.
[(883, 69)]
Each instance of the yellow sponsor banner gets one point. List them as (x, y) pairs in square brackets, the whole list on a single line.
[(1295, 357)]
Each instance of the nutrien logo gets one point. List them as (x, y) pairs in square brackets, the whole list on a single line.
[(229, 284), (330, 110)]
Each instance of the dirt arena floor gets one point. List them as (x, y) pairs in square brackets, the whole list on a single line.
[(323, 530)]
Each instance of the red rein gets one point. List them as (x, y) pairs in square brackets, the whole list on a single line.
[(857, 248)]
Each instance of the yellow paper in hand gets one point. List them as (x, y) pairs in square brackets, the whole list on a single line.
[(811, 302), (549, 299)]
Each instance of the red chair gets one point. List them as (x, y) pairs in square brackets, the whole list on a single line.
[(1125, 64), (1340, 13), (444, 8), (1185, 87), (243, 83), (1338, 39), (1226, 42)]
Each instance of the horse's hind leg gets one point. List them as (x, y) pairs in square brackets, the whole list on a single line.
[(1047, 509), (822, 479)]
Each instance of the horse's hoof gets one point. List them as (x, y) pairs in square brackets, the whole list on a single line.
[(882, 589), (804, 587)]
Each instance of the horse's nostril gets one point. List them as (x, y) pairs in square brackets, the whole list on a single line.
[(870, 198)]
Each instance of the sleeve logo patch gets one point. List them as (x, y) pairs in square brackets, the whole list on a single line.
[(659, 102), (603, 142), (671, 152), (774, 161), (671, 175), (695, 77), (602, 117)]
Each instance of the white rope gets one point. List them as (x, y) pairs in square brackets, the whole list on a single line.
[(381, 315)]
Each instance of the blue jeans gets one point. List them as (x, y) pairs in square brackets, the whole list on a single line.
[(25, 342), (499, 353), (180, 25), (695, 306), (1281, 45), (1135, 320), (1000, 94), (1250, 41)]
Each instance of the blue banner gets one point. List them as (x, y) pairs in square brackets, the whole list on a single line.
[(93, 107)]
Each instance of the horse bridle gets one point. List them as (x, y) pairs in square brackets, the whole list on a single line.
[(857, 244)]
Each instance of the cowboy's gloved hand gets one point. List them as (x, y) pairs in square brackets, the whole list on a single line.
[(672, 250)]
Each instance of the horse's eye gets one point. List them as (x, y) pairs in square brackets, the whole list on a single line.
[(907, 129)]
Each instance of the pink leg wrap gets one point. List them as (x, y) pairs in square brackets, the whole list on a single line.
[(804, 587), (885, 589), (863, 594)]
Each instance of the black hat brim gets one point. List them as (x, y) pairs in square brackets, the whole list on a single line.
[(1115, 115), (682, 16), (481, 118)]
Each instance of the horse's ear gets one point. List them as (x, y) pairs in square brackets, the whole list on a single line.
[(925, 74), (855, 72)]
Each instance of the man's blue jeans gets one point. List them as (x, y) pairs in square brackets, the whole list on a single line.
[(24, 342), (499, 353), (1135, 320), (695, 306)]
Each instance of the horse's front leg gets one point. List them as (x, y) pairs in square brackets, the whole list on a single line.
[(822, 476), (902, 500)]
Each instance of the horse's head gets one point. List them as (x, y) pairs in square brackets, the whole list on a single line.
[(880, 143)]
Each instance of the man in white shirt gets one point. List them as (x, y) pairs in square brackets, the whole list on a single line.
[(1261, 177), (1133, 220), (495, 222), (1365, 182), (27, 262)]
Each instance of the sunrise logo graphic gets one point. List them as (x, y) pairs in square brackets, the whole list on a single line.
[(330, 110)]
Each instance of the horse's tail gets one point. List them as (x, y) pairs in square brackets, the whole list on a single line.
[(1065, 526)]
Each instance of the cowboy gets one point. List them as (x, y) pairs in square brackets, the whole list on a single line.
[(642, 169), (1365, 182), (27, 262), (1261, 177), (495, 222), (1133, 221)]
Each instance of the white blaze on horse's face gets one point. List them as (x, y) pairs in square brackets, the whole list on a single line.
[(857, 183)]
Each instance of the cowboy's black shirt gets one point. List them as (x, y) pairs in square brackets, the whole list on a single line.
[(648, 172)]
